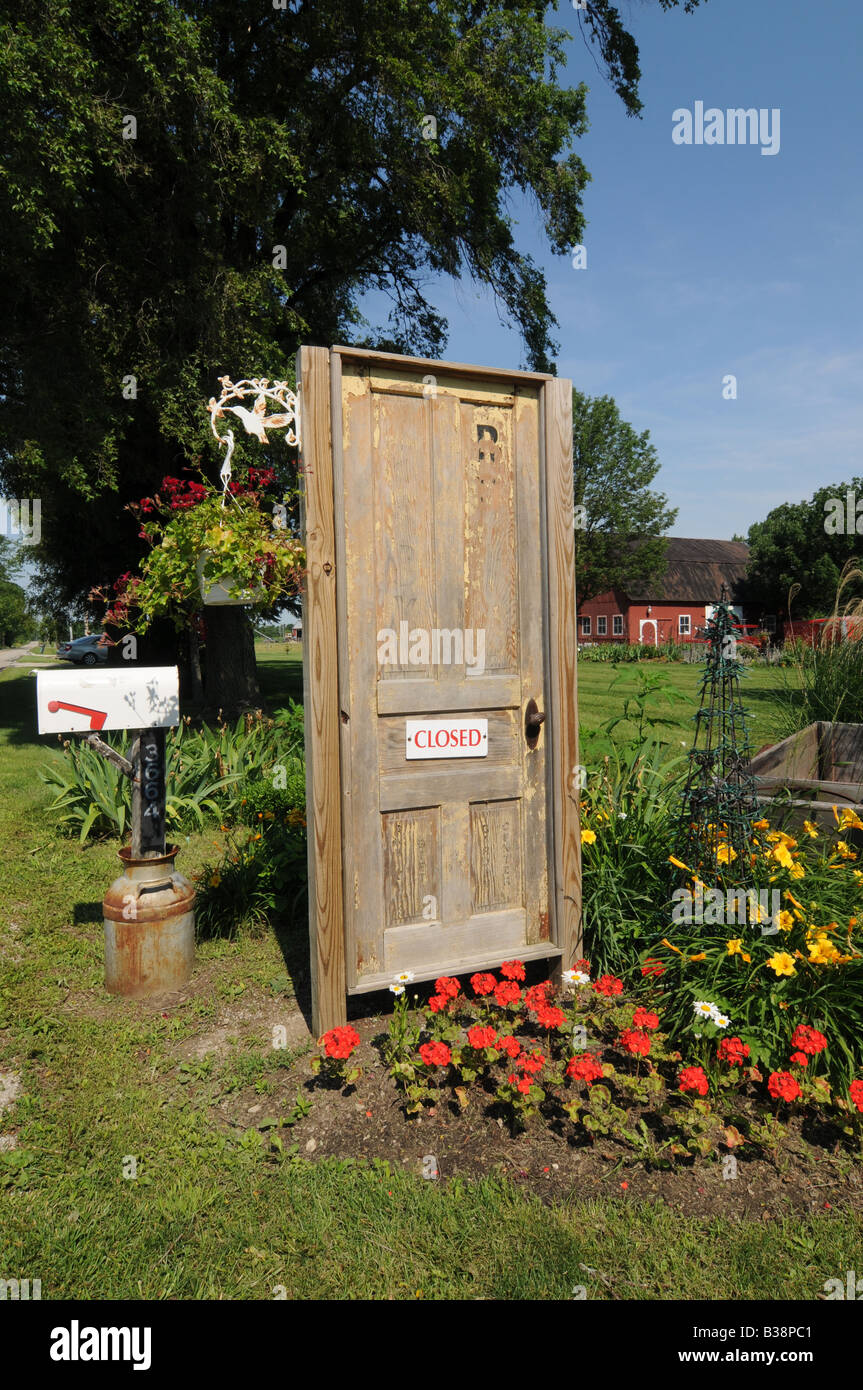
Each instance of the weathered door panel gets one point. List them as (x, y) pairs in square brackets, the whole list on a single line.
[(441, 560)]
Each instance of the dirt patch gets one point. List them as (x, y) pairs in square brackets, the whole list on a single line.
[(268, 1022), (10, 1089), (555, 1161)]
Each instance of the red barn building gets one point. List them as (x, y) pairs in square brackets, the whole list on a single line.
[(674, 608)]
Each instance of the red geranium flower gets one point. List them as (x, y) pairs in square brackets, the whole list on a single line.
[(481, 1037), (510, 1045), (642, 1018), (340, 1042), (448, 986), (800, 1058), (531, 1062), (855, 1091), (651, 967), (582, 965), (537, 996), (585, 1068), (435, 1054), (608, 984), (482, 984), (733, 1051), (635, 1042), (693, 1079), (547, 1016), (507, 992), (808, 1039), (512, 969), (525, 1084), (438, 1002), (782, 1086)]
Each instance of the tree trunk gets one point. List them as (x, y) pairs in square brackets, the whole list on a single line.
[(230, 671)]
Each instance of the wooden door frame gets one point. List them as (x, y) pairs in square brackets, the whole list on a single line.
[(322, 516)]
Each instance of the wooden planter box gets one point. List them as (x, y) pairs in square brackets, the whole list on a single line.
[(806, 775)]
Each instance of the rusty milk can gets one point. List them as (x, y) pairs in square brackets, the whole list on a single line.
[(149, 926)]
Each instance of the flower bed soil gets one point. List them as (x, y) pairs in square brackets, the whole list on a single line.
[(367, 1121)]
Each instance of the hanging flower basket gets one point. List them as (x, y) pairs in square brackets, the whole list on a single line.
[(224, 591)]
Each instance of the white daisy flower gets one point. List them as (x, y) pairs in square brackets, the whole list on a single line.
[(704, 1009), (581, 978), (621, 815), (397, 990), (404, 977), (569, 976), (721, 1020)]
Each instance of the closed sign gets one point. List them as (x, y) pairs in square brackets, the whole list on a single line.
[(446, 738), (143, 697)]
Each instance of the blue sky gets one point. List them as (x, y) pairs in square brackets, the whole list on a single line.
[(710, 260)]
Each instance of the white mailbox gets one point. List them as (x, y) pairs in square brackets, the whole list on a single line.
[(76, 702)]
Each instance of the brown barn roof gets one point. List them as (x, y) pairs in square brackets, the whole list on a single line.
[(696, 571)]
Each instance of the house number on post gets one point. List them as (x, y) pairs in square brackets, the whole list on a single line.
[(152, 775)]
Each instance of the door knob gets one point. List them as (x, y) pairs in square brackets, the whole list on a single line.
[(533, 722)]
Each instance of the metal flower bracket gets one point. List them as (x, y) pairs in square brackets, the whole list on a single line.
[(255, 421)]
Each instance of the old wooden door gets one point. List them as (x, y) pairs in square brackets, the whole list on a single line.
[(439, 632)]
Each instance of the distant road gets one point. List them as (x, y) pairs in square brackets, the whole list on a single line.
[(9, 655)]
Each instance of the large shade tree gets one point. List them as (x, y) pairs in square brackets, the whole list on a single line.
[(802, 548), (196, 188), (619, 520)]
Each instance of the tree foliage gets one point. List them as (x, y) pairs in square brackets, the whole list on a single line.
[(619, 520), (191, 189), (805, 543)]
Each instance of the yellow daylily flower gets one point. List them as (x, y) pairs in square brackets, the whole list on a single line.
[(588, 837), (735, 946), (677, 864), (675, 949), (786, 920), (811, 830), (782, 856), (725, 854), (797, 871), (744, 955), (782, 963), (702, 955), (851, 819)]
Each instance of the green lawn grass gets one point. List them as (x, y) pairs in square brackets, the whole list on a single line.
[(221, 1212)]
